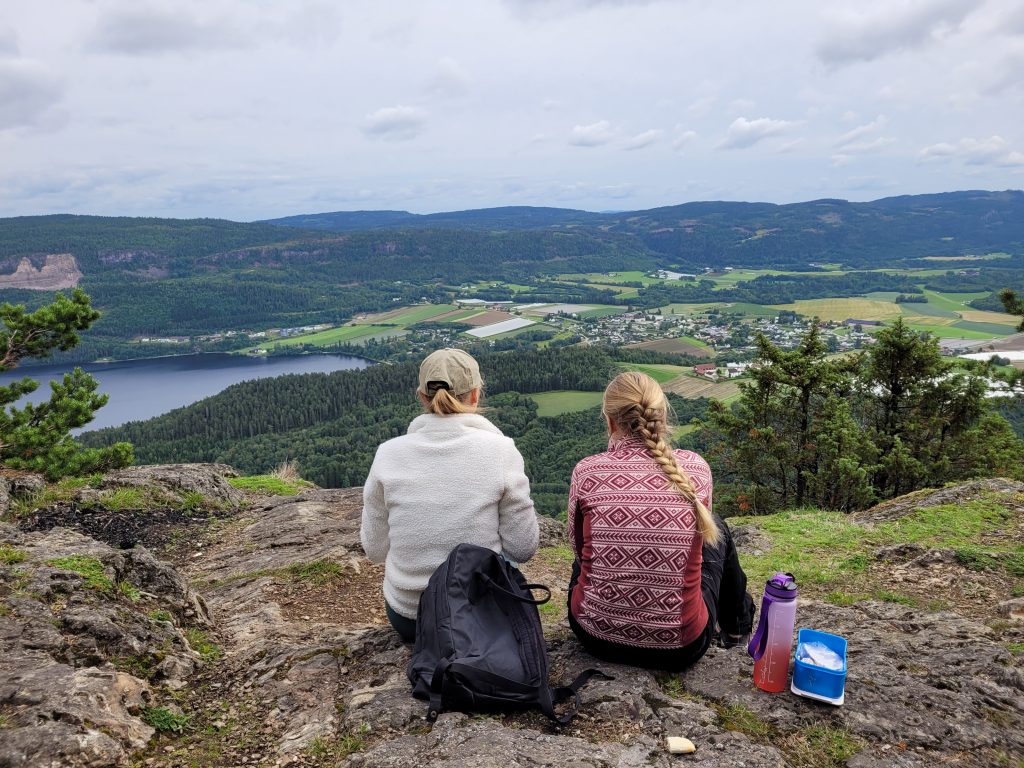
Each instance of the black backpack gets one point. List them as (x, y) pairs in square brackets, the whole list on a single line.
[(479, 642)]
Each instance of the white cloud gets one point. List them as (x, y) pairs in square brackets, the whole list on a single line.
[(27, 92), (745, 133), (398, 123), (860, 131), (644, 139), (890, 26), (593, 135), (682, 138), (993, 151), (141, 31), (701, 106), (449, 79)]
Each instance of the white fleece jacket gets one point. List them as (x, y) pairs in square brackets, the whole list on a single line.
[(450, 480)]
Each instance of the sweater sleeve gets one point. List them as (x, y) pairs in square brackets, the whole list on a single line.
[(374, 531), (572, 524), (517, 520)]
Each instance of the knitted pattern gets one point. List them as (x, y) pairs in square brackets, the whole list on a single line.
[(637, 542)]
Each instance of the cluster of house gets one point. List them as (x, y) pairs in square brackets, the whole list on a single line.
[(716, 372), (280, 333)]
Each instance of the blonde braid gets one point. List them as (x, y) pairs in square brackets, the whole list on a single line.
[(646, 416)]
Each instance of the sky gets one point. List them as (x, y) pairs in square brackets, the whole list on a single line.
[(253, 109)]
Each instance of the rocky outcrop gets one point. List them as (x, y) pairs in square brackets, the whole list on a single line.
[(85, 630), (175, 481), (954, 494), (311, 674), (58, 271)]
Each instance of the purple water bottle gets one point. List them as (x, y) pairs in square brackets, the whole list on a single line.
[(772, 643)]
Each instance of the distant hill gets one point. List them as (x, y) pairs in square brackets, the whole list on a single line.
[(719, 233)]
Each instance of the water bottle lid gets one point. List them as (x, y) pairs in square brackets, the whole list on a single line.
[(781, 586)]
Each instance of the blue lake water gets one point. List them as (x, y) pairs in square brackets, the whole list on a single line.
[(141, 389)]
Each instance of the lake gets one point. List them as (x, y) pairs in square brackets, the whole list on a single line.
[(141, 389)]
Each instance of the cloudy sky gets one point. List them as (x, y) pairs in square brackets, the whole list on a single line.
[(249, 109)]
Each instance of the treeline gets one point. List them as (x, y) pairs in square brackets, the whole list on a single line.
[(779, 289), (842, 434)]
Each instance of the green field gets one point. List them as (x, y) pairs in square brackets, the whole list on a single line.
[(346, 333), (408, 315), (565, 401), (604, 310), (691, 309), (949, 331), (659, 372)]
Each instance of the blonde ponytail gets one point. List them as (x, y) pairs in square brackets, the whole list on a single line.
[(444, 403), (634, 403)]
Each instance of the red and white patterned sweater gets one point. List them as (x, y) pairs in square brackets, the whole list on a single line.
[(637, 542)]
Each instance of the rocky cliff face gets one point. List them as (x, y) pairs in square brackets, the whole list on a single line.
[(58, 271), (259, 639)]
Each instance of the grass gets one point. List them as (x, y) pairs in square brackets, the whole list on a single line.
[(843, 309), (10, 555), (130, 591), (660, 373), (121, 499), (161, 615), (317, 572), (272, 485), (200, 642), (89, 568), (816, 746), (826, 549), (164, 719), (565, 401)]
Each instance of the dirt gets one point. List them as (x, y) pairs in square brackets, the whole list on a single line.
[(155, 529), (487, 318)]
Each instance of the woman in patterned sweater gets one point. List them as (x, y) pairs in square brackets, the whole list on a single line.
[(655, 570)]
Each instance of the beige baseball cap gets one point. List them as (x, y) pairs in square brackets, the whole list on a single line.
[(452, 367)]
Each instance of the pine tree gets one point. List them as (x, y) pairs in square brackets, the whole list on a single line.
[(1014, 305), (37, 437)]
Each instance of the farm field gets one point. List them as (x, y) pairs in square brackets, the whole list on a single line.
[(345, 333), (565, 401), (406, 315), (603, 311), (661, 373), (680, 346), (487, 317), (692, 387), (456, 316), (842, 309)]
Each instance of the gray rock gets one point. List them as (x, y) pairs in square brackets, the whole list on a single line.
[(954, 494), (24, 486), (552, 532), (175, 480)]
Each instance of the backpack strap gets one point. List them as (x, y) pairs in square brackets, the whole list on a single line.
[(551, 696), (437, 689), (492, 584)]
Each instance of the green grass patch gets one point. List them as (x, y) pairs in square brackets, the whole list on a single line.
[(1015, 648), (951, 331), (603, 311), (89, 568), (695, 342), (737, 717), (556, 555), (316, 572), (10, 555), (565, 401), (995, 329), (161, 615), (164, 719), (200, 642), (130, 591), (661, 373), (827, 549), (269, 484), (121, 499)]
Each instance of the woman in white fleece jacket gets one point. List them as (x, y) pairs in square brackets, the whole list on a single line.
[(453, 478)]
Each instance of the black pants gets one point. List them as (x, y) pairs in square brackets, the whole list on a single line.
[(723, 585), (403, 626)]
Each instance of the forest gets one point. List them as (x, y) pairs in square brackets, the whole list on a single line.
[(808, 430)]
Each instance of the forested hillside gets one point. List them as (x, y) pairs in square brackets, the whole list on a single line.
[(702, 234), (189, 278)]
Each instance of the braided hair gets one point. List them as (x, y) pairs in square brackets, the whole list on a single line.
[(636, 405)]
